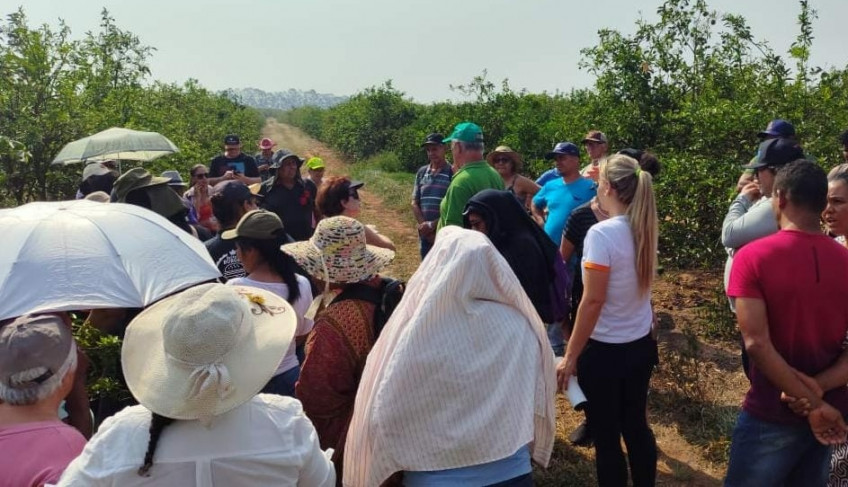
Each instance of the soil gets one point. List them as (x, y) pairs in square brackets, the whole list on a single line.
[(695, 393)]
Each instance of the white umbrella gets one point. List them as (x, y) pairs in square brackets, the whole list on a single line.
[(67, 255), (116, 143)]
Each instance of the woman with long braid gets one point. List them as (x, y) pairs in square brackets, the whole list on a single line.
[(195, 362)]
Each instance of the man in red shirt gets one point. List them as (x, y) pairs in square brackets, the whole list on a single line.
[(792, 308)]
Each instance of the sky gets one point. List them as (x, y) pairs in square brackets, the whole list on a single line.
[(424, 47)]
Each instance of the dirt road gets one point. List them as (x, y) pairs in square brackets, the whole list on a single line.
[(396, 225), (687, 449)]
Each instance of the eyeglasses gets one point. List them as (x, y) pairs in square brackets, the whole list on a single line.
[(502, 160), (201, 175), (353, 194)]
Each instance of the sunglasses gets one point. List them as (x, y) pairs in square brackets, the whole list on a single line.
[(353, 194), (201, 175), (502, 160)]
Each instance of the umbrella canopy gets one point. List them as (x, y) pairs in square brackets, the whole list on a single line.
[(117, 143), (68, 255)]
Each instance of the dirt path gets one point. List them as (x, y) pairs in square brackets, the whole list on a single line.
[(681, 460), (396, 225)]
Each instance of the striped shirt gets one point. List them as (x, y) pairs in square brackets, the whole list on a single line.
[(462, 374), (429, 190)]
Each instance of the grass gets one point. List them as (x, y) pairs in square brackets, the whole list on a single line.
[(392, 186)]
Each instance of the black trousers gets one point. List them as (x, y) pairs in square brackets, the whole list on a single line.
[(615, 379)]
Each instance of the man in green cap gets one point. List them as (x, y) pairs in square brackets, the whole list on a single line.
[(472, 173)]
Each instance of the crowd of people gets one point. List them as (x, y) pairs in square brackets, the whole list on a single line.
[(295, 369)]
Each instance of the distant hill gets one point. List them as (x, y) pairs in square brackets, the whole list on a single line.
[(285, 100)]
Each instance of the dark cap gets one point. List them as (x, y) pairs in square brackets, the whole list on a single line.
[(232, 191), (776, 152), (433, 139), (563, 148), (356, 184), (778, 128), (258, 224), (232, 139), (281, 155)]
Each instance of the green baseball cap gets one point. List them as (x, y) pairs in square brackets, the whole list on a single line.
[(258, 224), (465, 132), (315, 163)]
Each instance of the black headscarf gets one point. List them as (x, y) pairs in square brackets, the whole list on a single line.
[(526, 247)]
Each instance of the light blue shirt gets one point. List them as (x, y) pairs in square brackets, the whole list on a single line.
[(561, 199), (548, 176)]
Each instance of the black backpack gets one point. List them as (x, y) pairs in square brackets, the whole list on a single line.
[(385, 298)]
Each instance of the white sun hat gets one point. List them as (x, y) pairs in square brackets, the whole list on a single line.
[(206, 350)]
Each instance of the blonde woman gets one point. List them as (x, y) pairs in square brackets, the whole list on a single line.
[(611, 349)]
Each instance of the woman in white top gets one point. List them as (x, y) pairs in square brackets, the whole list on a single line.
[(195, 362), (611, 349), (258, 237)]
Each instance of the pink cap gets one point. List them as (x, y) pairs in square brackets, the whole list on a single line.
[(266, 143)]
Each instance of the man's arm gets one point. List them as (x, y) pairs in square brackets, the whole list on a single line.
[(745, 223), (753, 322), (836, 375), (455, 200)]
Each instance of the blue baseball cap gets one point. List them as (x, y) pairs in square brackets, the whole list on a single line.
[(778, 128), (563, 148)]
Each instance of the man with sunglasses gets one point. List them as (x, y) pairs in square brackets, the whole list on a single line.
[(431, 184), (750, 215)]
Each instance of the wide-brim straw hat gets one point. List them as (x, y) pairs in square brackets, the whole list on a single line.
[(206, 350), (337, 252), (500, 150)]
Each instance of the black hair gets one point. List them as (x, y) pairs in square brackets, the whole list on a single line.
[(157, 424), (102, 182), (227, 212), (280, 262), (804, 183), (843, 137)]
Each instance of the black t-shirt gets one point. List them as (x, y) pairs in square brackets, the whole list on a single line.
[(223, 253), (294, 206), (243, 163), (579, 222)]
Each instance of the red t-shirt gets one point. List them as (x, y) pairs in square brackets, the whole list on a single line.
[(803, 279)]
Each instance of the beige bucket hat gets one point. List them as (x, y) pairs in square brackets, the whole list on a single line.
[(505, 150), (206, 350), (337, 252)]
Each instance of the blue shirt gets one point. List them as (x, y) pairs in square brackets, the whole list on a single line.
[(561, 199), (548, 176), (515, 465)]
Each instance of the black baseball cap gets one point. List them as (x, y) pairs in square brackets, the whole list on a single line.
[(776, 152), (433, 139), (232, 139), (233, 191)]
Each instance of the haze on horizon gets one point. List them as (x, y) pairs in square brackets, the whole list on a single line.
[(341, 47)]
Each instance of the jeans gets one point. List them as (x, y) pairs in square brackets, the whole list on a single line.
[(283, 384), (763, 453), (424, 246), (615, 379), (556, 338)]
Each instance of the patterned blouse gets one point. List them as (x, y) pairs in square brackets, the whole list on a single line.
[(329, 377)]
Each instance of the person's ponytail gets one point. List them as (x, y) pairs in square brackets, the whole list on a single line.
[(634, 187), (642, 214)]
